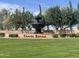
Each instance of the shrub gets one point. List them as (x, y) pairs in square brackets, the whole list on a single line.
[(13, 35), (2, 34), (55, 35), (62, 35), (77, 35), (72, 35)]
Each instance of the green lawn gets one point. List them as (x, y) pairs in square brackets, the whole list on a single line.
[(39, 48)]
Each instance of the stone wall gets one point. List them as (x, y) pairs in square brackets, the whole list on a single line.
[(29, 34)]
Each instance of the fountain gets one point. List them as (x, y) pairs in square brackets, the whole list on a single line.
[(39, 22)]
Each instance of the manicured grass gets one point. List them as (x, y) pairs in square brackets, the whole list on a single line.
[(39, 48)]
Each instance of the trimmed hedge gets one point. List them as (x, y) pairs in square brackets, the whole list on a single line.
[(72, 35), (66, 35), (63, 35), (2, 34), (77, 35), (55, 35), (13, 35)]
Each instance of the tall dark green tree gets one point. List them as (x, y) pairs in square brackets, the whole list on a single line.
[(71, 16)]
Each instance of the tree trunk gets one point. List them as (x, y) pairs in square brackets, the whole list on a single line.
[(71, 30), (78, 26), (38, 30), (48, 28)]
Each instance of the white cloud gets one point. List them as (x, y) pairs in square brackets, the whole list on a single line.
[(13, 7), (8, 6), (35, 13)]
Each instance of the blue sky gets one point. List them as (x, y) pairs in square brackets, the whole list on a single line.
[(32, 5)]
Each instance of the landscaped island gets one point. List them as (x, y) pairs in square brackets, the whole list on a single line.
[(52, 32), (62, 21)]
